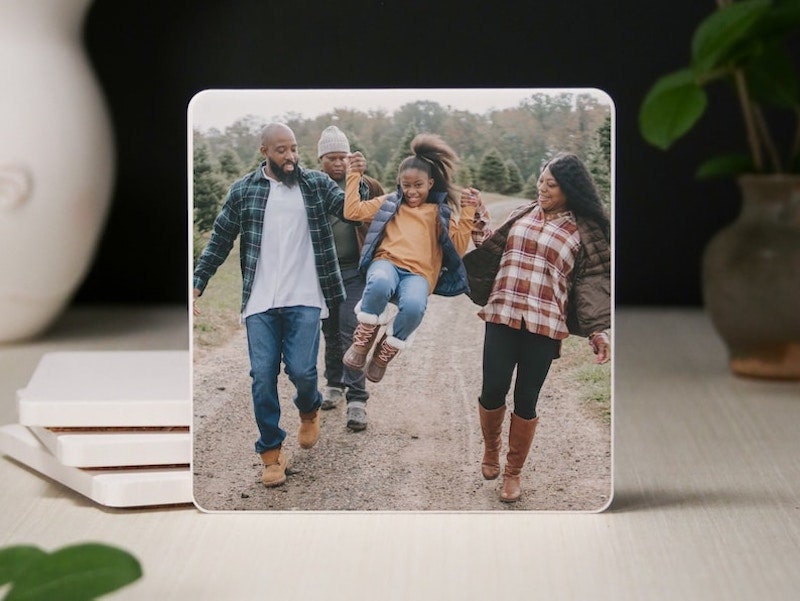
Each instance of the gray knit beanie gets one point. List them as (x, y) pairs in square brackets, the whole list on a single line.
[(332, 140)]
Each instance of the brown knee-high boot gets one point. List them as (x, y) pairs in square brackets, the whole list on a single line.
[(491, 428), (520, 437)]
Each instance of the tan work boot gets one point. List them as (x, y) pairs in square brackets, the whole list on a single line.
[(363, 338), (275, 462), (308, 434), (491, 428), (386, 350), (520, 437)]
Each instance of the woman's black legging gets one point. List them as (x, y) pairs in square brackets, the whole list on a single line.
[(505, 348)]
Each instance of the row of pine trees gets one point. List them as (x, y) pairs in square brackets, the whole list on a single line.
[(500, 151)]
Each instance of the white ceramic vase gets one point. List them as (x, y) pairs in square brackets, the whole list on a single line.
[(56, 162)]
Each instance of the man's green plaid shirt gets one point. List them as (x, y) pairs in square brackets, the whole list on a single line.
[(242, 215)]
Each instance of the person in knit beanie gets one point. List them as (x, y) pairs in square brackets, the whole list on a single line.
[(332, 139), (333, 150)]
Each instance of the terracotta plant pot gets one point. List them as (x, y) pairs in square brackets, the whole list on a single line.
[(751, 279)]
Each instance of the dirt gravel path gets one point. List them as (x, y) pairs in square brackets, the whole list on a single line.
[(422, 448)]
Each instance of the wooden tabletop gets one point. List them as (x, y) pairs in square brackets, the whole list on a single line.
[(706, 506)]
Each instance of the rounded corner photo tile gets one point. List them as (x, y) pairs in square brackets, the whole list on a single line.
[(402, 299)]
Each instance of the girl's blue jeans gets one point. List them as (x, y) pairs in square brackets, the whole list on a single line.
[(385, 282)]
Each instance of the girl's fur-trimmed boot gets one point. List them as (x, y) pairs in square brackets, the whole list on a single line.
[(491, 427), (275, 462), (520, 437), (386, 350), (364, 337)]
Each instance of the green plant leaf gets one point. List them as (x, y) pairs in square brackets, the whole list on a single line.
[(75, 573), (670, 109), (14, 560), (727, 165), (771, 78), (717, 37)]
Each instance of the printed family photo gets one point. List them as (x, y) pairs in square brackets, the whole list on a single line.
[(402, 300)]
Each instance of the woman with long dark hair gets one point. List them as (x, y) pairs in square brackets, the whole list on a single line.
[(553, 279)]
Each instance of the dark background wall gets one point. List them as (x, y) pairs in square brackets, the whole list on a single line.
[(152, 57)]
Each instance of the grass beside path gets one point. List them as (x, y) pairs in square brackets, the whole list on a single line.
[(592, 380), (219, 306)]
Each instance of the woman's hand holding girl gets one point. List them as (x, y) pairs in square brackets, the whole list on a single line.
[(471, 197)]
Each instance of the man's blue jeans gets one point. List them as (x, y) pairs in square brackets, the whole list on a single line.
[(291, 334), (384, 281)]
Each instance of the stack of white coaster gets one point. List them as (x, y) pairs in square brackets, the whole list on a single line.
[(112, 425)]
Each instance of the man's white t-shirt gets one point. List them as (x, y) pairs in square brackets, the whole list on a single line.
[(286, 274)]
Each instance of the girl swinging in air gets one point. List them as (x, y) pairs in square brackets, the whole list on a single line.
[(413, 248)]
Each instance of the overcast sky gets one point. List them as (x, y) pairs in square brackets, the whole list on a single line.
[(221, 108)]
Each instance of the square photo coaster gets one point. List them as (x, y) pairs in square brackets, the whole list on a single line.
[(86, 447), (448, 168), (108, 389)]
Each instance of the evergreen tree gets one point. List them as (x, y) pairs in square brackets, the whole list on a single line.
[(230, 166), (492, 172), (244, 136), (531, 189), (598, 160), (463, 176), (357, 146), (515, 181), (307, 159), (604, 138), (467, 173), (255, 161), (373, 168), (472, 165), (208, 188), (401, 151)]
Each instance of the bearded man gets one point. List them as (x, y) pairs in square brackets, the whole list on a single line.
[(290, 278)]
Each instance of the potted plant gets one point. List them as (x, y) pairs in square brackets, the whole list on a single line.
[(751, 268)]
